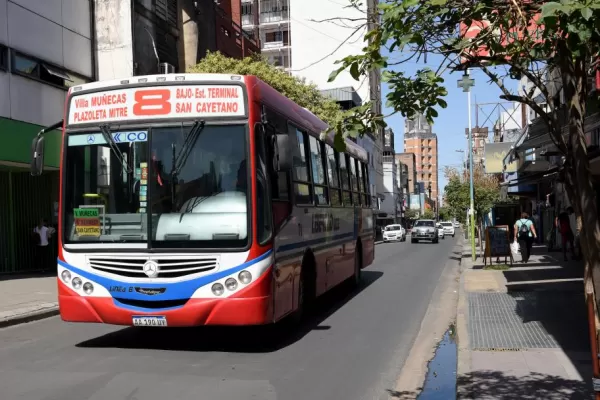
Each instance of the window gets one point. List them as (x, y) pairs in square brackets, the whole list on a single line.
[(344, 176), (166, 10), (300, 167), (264, 222), (354, 181), (334, 176), (33, 68), (318, 172), (3, 58), (364, 188)]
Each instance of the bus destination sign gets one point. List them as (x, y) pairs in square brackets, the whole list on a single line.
[(160, 102)]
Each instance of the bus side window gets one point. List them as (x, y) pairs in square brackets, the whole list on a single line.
[(334, 176), (264, 223), (300, 173), (344, 177)]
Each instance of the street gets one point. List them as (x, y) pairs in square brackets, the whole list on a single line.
[(352, 348)]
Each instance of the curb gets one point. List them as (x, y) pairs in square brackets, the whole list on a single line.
[(438, 316), (30, 316), (463, 362)]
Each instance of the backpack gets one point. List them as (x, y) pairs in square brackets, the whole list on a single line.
[(523, 230)]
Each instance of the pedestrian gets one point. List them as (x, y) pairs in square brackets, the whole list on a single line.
[(566, 232), (536, 222), (525, 234), (42, 234)]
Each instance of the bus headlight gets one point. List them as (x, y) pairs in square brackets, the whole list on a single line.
[(76, 283), (65, 275), (231, 284), (218, 289), (88, 288), (245, 277)]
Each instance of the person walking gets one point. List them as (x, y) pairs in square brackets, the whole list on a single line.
[(42, 234), (525, 234), (566, 232)]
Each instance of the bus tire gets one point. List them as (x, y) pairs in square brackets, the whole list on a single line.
[(306, 287)]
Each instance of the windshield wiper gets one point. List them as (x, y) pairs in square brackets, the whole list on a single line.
[(178, 161), (107, 134), (186, 148)]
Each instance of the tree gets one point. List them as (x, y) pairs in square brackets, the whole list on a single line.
[(486, 189), (344, 123), (411, 214), (445, 214), (555, 45), (428, 214)]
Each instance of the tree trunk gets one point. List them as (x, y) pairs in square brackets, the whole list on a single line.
[(579, 185)]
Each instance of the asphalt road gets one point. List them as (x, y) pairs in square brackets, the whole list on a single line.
[(352, 348)]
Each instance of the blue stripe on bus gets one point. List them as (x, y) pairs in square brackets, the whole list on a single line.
[(174, 290), (308, 243)]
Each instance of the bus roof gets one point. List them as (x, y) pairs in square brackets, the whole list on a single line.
[(262, 92)]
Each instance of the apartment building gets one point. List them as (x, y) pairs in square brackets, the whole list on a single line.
[(420, 140), (293, 38), (139, 37), (410, 160), (45, 48)]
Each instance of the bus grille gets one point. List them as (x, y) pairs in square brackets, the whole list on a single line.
[(168, 268)]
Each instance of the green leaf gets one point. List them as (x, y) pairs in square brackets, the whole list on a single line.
[(354, 72), (586, 13), (438, 2), (550, 8), (334, 74)]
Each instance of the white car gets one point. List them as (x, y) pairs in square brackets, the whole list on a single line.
[(456, 225), (394, 232), (440, 230), (448, 228)]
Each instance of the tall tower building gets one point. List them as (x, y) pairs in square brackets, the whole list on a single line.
[(420, 140)]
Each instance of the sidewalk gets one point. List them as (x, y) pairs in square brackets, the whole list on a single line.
[(27, 298), (523, 332)]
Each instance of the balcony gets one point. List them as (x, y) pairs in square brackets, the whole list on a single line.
[(274, 11)]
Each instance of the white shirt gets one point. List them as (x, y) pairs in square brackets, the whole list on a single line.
[(44, 232)]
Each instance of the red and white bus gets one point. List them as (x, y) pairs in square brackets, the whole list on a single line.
[(202, 199)]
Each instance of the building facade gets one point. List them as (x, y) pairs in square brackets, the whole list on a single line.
[(391, 207), (140, 37), (420, 140), (410, 160), (45, 48)]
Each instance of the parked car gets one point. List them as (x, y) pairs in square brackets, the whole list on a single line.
[(424, 229), (394, 232), (456, 225), (440, 230), (448, 228)]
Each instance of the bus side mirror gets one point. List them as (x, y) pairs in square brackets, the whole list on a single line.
[(37, 156), (282, 152)]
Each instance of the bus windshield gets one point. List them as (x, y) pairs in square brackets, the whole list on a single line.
[(158, 187)]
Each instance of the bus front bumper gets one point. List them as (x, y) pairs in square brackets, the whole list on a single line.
[(195, 312)]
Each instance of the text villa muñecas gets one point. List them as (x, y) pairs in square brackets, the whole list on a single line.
[(186, 101)]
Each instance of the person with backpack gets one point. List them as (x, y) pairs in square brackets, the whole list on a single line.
[(525, 234)]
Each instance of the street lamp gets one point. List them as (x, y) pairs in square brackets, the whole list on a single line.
[(466, 83)]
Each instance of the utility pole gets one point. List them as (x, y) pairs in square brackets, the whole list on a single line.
[(466, 83)]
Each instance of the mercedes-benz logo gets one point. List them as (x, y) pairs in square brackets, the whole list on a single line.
[(91, 139), (151, 269)]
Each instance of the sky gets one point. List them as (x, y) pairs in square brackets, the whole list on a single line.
[(452, 121)]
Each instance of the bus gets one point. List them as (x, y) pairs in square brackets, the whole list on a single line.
[(202, 199)]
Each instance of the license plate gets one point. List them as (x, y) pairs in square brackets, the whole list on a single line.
[(150, 321)]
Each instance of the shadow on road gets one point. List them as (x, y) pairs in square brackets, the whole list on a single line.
[(500, 386), (262, 339)]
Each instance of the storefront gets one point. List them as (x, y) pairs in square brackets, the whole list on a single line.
[(25, 199)]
